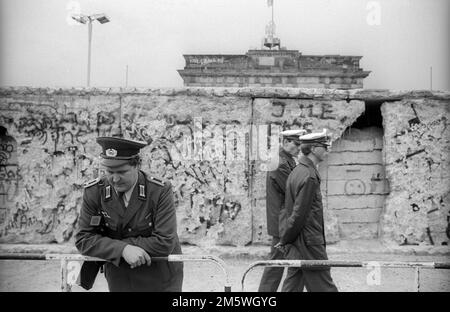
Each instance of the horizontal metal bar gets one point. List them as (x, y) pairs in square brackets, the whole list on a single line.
[(442, 265), (399, 264), (22, 256), (78, 257), (73, 257), (274, 263), (309, 263), (346, 263)]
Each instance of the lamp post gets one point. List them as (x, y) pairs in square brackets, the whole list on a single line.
[(83, 19)]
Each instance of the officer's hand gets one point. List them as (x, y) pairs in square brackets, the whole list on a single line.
[(135, 256), (280, 247)]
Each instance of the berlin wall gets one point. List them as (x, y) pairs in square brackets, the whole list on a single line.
[(215, 145)]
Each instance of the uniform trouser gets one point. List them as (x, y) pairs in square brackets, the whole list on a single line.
[(158, 277), (271, 277), (315, 279)]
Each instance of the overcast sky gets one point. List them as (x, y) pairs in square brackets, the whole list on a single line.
[(39, 47)]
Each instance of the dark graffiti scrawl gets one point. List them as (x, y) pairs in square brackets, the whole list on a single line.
[(41, 193), (418, 165)]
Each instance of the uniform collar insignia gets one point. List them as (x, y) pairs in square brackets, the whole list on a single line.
[(108, 192), (142, 194)]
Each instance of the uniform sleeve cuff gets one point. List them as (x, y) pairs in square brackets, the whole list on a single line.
[(120, 249)]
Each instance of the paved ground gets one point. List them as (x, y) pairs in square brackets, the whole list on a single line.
[(30, 275)]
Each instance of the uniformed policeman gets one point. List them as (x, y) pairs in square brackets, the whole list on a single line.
[(127, 217), (275, 190), (302, 224)]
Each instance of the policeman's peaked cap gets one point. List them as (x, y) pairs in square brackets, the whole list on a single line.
[(293, 135), (322, 138), (118, 151)]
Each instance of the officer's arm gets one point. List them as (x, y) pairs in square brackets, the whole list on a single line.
[(87, 240), (300, 211), (163, 239), (281, 175)]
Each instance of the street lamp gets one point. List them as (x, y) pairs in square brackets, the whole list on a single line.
[(83, 19)]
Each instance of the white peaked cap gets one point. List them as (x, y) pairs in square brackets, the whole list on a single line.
[(293, 132), (316, 137)]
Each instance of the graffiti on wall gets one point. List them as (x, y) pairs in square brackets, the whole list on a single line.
[(9, 182), (9, 174), (206, 164), (305, 113), (40, 195), (420, 153), (59, 131)]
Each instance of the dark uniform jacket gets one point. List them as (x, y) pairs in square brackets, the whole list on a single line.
[(105, 227), (275, 191), (302, 222)]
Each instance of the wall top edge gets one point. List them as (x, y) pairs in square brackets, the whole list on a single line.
[(254, 92)]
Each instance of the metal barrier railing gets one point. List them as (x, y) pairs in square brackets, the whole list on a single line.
[(362, 264), (70, 264)]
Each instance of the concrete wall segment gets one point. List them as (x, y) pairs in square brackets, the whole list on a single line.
[(50, 151)]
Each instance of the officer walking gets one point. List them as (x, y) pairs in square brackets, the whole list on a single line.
[(302, 225), (275, 191), (127, 217)]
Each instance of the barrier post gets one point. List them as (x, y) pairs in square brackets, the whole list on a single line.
[(216, 260), (417, 280), (65, 287)]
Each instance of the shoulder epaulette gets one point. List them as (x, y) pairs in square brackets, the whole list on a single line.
[(91, 182), (156, 181)]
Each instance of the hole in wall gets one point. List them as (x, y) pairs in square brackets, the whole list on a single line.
[(356, 180), (371, 117)]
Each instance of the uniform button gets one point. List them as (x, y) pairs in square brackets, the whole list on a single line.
[(129, 229)]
